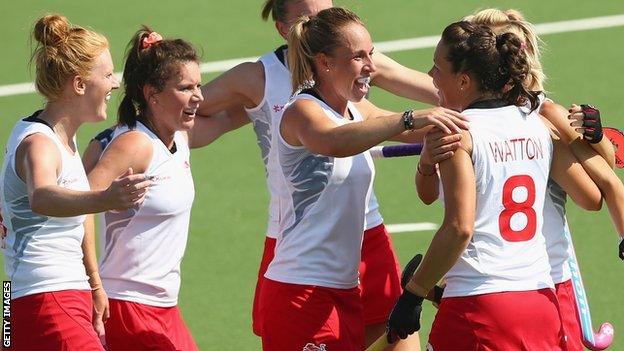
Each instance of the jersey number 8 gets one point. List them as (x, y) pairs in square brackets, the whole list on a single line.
[(512, 207)]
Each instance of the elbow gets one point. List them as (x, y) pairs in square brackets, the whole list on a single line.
[(593, 203), (427, 199), (334, 150), (38, 203), (460, 232)]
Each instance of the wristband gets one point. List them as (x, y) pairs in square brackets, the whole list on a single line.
[(411, 298), (408, 120), (592, 124)]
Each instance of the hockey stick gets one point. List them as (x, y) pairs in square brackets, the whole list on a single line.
[(396, 150), (592, 340), (617, 139)]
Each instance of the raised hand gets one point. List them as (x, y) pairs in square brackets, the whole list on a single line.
[(438, 146), (585, 119), (446, 120)]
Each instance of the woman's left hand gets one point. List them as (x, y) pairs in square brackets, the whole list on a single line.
[(101, 312), (585, 119)]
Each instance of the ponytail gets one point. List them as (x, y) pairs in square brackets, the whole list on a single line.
[(300, 57), (512, 21), (311, 36), (276, 9), (515, 65), (150, 60), (497, 62)]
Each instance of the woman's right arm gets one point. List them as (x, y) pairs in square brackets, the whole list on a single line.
[(39, 169), (129, 152), (459, 185), (438, 146), (594, 165), (242, 85), (304, 123)]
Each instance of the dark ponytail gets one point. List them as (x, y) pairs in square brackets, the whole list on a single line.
[(276, 9), (150, 60), (498, 62), (515, 64)]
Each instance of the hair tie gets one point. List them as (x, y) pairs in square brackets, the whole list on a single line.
[(151, 39), (523, 46)]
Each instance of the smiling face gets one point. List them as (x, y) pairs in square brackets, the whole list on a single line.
[(347, 70), (174, 107), (449, 84), (297, 8), (98, 87)]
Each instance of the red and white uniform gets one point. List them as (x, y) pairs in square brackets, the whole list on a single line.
[(51, 297), (315, 268), (506, 259), (559, 251), (380, 282), (511, 157), (144, 247)]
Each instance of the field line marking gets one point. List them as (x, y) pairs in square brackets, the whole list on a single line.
[(386, 46), (410, 227)]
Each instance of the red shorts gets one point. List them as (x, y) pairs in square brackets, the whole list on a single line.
[(380, 281), (139, 327), (310, 318), (380, 275), (522, 320), (569, 315), (57, 320), (267, 257)]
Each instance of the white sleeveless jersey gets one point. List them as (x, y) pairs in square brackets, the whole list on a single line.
[(41, 253), (324, 218), (277, 93), (512, 152), (144, 246), (555, 227)]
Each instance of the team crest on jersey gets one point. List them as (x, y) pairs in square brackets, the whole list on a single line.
[(312, 347), (277, 108)]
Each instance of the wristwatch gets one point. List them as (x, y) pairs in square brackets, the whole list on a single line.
[(408, 119)]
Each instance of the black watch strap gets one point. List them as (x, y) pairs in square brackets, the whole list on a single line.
[(408, 119)]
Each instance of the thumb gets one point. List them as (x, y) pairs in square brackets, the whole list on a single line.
[(128, 172)]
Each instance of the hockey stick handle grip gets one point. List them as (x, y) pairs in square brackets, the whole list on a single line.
[(396, 150)]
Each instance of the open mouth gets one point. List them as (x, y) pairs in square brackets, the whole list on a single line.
[(190, 113), (108, 96), (363, 83)]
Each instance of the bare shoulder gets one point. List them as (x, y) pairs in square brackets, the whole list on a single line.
[(38, 142), (302, 107), (552, 110), (130, 149)]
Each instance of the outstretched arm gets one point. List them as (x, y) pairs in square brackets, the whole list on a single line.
[(208, 129), (304, 123), (402, 81)]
